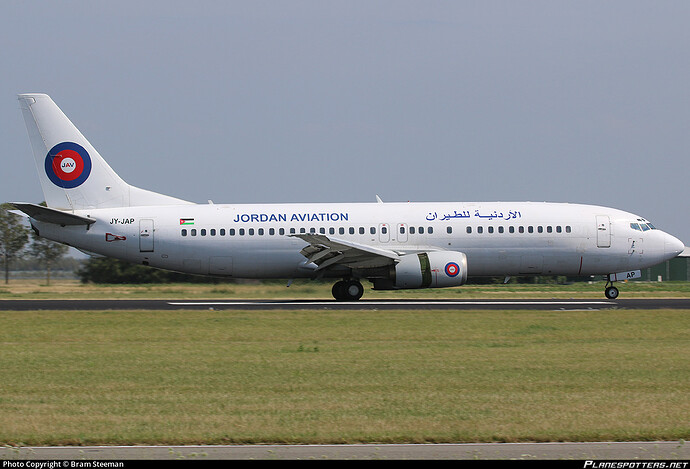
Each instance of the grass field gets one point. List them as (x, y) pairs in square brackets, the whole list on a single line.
[(68, 289), (183, 377)]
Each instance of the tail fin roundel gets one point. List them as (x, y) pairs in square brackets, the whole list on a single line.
[(73, 174)]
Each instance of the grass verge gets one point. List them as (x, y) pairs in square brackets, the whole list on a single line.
[(306, 289), (212, 377)]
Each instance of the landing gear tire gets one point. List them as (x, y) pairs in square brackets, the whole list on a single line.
[(338, 290), (611, 292), (347, 290)]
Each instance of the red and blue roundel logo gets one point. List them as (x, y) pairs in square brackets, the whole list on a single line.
[(452, 269), (68, 165)]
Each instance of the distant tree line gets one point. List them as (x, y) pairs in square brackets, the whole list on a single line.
[(14, 237), (107, 270)]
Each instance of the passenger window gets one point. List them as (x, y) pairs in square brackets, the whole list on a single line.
[(384, 230), (203, 232), (271, 231), (412, 230), (491, 229), (402, 230), (184, 232), (421, 230), (331, 231), (213, 232), (500, 229), (480, 229), (241, 232), (540, 229), (469, 230), (231, 231), (261, 231), (281, 231), (449, 230), (341, 230), (361, 230), (568, 229), (530, 229), (193, 232), (352, 230), (511, 229), (521, 229), (430, 230), (372, 230), (549, 229), (222, 231)]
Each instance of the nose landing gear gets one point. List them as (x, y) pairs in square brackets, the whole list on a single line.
[(347, 290), (610, 291)]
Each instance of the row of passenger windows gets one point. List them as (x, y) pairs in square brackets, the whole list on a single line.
[(521, 229), (372, 230), (282, 231)]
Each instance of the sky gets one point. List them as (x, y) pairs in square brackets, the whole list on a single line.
[(339, 101)]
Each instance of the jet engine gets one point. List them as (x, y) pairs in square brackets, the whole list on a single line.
[(426, 270)]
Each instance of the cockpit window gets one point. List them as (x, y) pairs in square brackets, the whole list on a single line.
[(642, 226)]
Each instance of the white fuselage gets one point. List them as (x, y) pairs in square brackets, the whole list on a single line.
[(253, 241)]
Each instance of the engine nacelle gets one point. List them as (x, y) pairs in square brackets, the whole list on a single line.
[(428, 270)]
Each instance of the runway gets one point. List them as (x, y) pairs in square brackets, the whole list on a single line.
[(646, 451), (362, 305)]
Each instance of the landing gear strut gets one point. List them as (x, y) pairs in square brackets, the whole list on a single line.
[(348, 290), (610, 291)]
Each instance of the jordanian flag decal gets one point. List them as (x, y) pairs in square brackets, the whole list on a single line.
[(186, 221)]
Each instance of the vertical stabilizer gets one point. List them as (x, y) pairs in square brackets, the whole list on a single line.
[(73, 174)]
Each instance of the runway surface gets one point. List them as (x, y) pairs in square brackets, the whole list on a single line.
[(666, 450), (362, 305)]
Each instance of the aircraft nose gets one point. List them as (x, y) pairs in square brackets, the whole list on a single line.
[(673, 246)]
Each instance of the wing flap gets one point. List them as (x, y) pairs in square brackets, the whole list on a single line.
[(324, 252)]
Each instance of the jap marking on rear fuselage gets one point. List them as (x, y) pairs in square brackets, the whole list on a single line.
[(121, 221)]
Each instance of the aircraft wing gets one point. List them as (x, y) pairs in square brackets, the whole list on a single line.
[(324, 252)]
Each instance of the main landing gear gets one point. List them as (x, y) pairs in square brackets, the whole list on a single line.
[(348, 290), (610, 291)]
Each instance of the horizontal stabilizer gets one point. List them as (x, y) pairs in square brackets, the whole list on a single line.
[(50, 215)]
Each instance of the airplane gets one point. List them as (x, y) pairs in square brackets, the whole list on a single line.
[(393, 245)]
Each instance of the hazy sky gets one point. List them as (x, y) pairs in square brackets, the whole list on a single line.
[(318, 101)]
